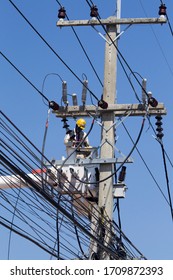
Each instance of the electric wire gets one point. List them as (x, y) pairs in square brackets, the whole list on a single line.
[(147, 167), (85, 52), (164, 155), (68, 215), (133, 73), (29, 208), (12, 221), (49, 46), (25, 236), (77, 235), (117, 49), (124, 236), (158, 42), (170, 161), (43, 96), (170, 27), (20, 217), (131, 151), (165, 168), (50, 74), (29, 170), (44, 144), (23, 217), (128, 78), (167, 179)]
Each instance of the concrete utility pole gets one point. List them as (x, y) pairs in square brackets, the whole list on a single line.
[(108, 136), (107, 156)]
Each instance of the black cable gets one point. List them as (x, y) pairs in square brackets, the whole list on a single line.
[(57, 55), (43, 147), (118, 51), (167, 179), (12, 221), (31, 199), (49, 74), (31, 144), (127, 76), (133, 73), (57, 229), (146, 164), (170, 27), (79, 41), (19, 131), (118, 205), (26, 178), (161, 49), (26, 237), (23, 218), (128, 240), (135, 144), (165, 168), (77, 235), (43, 96), (171, 163)]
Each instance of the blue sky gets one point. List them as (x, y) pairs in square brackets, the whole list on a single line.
[(145, 214)]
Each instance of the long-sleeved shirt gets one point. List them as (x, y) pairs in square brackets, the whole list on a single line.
[(75, 138)]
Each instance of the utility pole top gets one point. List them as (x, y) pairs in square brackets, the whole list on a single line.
[(111, 21)]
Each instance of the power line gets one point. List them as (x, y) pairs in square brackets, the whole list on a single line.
[(133, 73), (158, 42), (131, 151), (25, 77), (85, 52), (9, 243), (165, 168), (25, 236), (167, 179), (170, 27), (118, 51), (37, 159), (146, 164), (49, 46), (171, 163), (82, 222), (55, 204)]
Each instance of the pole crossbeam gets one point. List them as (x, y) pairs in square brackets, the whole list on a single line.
[(111, 21), (118, 109)]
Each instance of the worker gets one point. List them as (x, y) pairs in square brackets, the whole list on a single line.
[(74, 137)]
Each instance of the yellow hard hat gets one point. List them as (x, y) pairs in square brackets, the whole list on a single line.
[(81, 123)]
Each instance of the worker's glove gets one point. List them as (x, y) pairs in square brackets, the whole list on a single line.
[(71, 134)]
